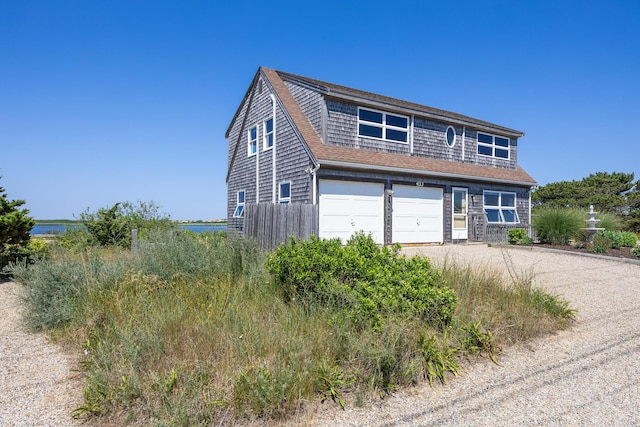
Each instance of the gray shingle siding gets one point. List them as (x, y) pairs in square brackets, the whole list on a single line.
[(291, 158), (310, 103)]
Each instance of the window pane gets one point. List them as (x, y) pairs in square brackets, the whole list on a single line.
[(493, 215), (285, 190), (254, 147), (270, 140), (488, 139), (269, 125), (371, 116), (396, 135), (509, 215), (502, 142), (508, 200), (366, 130), (484, 150), (492, 199), (253, 133), (458, 202), (240, 196), (400, 122), (459, 221), (503, 154), (239, 211)]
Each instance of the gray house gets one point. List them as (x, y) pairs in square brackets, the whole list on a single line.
[(401, 171)]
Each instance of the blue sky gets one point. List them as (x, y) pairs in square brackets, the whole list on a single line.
[(107, 101)]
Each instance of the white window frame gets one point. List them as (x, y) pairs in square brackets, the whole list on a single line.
[(493, 146), (239, 211), (500, 208), (446, 136), (284, 200), (265, 134), (384, 126), (252, 142)]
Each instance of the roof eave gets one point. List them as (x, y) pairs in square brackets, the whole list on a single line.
[(363, 166)]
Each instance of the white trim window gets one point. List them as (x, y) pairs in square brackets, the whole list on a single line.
[(284, 193), (381, 125), (500, 207), (252, 141), (239, 212), (493, 146), (267, 137), (450, 136)]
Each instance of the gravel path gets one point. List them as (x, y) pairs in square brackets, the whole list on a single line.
[(586, 376), (37, 386)]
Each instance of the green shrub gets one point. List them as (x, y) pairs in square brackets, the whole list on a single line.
[(609, 221), (628, 239), (366, 281), (619, 239), (601, 243), (518, 236), (636, 251), (557, 226)]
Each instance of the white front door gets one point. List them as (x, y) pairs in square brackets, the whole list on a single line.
[(460, 217), (417, 214), (347, 207)]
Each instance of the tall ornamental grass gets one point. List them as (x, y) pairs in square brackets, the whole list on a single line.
[(193, 329)]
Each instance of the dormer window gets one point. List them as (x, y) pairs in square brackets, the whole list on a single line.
[(381, 125), (493, 146)]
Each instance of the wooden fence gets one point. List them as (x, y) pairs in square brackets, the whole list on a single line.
[(481, 231), (270, 224)]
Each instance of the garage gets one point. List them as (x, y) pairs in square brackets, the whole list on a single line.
[(417, 214), (347, 207)]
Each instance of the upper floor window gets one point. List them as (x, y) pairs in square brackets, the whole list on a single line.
[(377, 124), (494, 146), (451, 136), (268, 134), (252, 137), (285, 193), (239, 212), (500, 207)]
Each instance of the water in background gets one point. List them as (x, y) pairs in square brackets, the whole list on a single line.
[(39, 229)]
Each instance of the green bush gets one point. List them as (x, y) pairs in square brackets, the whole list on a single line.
[(628, 239), (366, 281), (557, 226), (636, 251), (619, 239), (609, 221), (601, 243), (518, 236)]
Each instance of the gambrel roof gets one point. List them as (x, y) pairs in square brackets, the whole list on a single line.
[(353, 158)]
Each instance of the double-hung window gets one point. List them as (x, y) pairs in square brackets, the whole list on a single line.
[(268, 134), (378, 124), (500, 207), (285, 193), (493, 146), (252, 139), (239, 212)]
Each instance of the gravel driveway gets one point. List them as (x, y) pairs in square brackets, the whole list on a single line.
[(588, 375), (37, 384)]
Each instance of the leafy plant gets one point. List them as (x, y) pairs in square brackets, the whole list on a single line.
[(361, 278), (477, 341), (438, 357), (601, 243), (329, 381), (636, 251), (15, 225), (518, 236)]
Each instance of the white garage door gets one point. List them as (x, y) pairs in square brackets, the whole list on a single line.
[(417, 214), (347, 207)]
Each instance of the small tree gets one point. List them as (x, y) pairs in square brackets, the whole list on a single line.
[(15, 226), (112, 226)]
